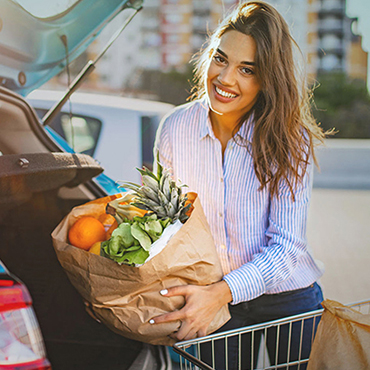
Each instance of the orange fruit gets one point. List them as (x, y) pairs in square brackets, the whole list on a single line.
[(86, 231), (191, 199), (95, 248), (106, 219), (111, 229)]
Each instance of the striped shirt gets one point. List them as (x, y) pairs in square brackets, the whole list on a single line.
[(261, 242)]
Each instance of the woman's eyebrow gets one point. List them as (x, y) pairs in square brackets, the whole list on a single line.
[(225, 56), (221, 52)]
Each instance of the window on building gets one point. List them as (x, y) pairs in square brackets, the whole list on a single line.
[(173, 59), (173, 38), (330, 63), (331, 42), (173, 18), (200, 22), (198, 40), (151, 39)]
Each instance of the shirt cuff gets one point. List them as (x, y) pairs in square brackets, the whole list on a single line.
[(245, 283)]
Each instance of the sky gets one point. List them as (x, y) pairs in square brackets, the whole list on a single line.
[(361, 9)]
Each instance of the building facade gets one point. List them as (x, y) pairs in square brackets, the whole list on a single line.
[(166, 33), (339, 48)]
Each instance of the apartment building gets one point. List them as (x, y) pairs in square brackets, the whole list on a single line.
[(166, 33), (339, 48)]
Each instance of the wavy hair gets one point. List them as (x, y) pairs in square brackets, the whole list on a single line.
[(285, 131)]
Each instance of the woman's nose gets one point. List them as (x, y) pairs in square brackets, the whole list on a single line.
[(226, 76)]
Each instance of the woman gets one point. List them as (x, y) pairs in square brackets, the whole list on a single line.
[(245, 144)]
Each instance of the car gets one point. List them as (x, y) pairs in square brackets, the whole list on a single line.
[(41, 180), (118, 132)]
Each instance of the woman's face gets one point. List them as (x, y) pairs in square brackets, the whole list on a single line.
[(232, 86)]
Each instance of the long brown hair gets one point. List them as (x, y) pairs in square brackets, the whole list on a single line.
[(285, 131)]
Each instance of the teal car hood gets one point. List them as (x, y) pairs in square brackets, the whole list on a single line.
[(36, 39)]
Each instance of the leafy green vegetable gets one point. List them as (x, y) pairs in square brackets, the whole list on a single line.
[(154, 229), (139, 234), (124, 232), (135, 257), (130, 242)]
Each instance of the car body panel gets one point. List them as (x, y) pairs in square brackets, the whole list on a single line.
[(33, 50), (127, 133)]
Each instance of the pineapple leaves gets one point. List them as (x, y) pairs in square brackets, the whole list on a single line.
[(159, 194)]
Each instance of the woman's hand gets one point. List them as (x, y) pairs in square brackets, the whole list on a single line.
[(201, 306)]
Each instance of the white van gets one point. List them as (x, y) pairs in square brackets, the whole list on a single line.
[(118, 132)]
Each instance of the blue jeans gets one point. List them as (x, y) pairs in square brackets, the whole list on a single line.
[(267, 307)]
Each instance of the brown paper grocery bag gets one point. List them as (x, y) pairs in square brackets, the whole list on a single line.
[(125, 298), (342, 340)]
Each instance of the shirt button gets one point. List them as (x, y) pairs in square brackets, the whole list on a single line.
[(222, 179), (220, 214), (223, 246)]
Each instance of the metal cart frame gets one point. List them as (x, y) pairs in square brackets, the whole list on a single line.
[(190, 351)]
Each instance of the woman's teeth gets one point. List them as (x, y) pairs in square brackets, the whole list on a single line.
[(224, 93)]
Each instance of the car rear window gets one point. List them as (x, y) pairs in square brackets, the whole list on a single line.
[(81, 132)]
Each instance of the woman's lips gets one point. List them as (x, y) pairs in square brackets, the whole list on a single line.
[(224, 95)]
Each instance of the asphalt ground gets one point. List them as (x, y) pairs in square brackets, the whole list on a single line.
[(339, 235)]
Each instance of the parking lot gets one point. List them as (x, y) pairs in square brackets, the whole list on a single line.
[(339, 219), (339, 234)]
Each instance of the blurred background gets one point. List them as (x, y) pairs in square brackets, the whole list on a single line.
[(151, 60), (152, 57)]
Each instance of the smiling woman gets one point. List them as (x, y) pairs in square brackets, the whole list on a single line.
[(245, 144)]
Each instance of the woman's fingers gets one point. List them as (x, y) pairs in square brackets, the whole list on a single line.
[(201, 333), (175, 291), (175, 315), (171, 316), (186, 332)]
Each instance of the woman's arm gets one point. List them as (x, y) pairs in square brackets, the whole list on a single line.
[(286, 236)]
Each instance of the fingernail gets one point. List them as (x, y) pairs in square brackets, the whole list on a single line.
[(151, 321), (164, 291)]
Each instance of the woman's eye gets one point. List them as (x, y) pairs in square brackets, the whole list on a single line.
[(219, 59), (247, 71)]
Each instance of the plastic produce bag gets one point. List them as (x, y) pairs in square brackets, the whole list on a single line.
[(342, 340)]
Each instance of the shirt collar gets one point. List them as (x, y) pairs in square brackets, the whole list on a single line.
[(206, 126), (245, 132)]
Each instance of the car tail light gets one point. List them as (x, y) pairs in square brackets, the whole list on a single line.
[(21, 343)]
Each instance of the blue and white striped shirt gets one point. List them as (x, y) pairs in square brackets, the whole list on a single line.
[(261, 241)]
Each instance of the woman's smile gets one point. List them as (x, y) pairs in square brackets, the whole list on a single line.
[(222, 93)]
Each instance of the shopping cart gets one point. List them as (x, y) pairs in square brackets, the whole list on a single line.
[(264, 340)]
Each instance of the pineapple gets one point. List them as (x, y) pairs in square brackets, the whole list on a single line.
[(160, 195)]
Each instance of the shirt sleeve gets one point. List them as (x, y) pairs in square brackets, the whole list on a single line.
[(162, 146), (286, 242)]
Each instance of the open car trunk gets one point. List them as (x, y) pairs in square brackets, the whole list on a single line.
[(36, 191)]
